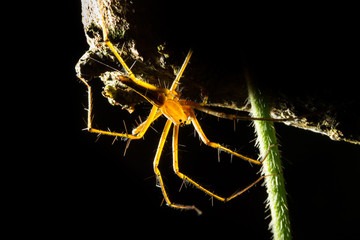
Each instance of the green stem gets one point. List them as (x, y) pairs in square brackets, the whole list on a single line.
[(275, 186)]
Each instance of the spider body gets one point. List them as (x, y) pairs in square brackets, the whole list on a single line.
[(179, 112), (176, 110), (156, 96)]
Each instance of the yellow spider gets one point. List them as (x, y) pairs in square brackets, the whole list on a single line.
[(179, 112)]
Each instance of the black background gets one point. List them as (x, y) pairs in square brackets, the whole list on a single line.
[(78, 180)]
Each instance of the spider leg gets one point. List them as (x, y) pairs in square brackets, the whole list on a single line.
[(248, 187), (203, 137), (176, 166), (141, 126), (139, 133), (185, 177), (178, 76), (117, 55), (201, 107), (158, 173)]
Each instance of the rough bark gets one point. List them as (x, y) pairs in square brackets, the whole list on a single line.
[(225, 40)]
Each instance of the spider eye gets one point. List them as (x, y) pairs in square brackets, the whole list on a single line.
[(182, 122)]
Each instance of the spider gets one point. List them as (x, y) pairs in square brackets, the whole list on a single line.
[(179, 112)]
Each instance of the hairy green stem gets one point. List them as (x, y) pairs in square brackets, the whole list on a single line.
[(275, 186)]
